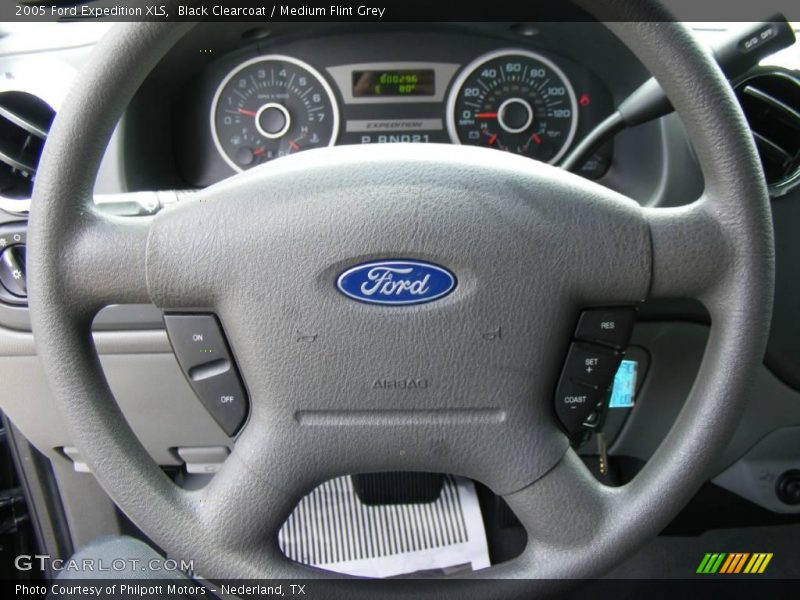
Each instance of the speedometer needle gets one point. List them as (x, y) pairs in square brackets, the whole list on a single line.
[(248, 113), (486, 115)]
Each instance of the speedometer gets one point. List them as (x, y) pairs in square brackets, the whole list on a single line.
[(269, 107), (514, 100)]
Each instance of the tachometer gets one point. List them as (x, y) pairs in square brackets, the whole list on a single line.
[(269, 107), (514, 100)]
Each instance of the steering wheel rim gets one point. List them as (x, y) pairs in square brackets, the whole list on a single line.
[(718, 249)]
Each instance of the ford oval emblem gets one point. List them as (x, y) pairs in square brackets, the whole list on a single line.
[(396, 282)]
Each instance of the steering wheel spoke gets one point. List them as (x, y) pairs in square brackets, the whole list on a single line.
[(565, 510), (246, 503), (106, 261), (691, 253), (102, 262)]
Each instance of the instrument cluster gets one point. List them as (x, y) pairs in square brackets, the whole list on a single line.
[(274, 101)]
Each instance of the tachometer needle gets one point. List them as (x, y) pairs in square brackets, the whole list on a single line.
[(486, 115), (248, 113)]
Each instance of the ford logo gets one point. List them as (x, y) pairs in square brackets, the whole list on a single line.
[(396, 282)]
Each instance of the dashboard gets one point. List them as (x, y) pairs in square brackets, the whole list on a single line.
[(512, 99), (260, 103)]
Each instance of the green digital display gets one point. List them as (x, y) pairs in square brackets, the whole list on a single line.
[(394, 83)]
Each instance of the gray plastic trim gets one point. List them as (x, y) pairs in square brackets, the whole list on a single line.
[(754, 475)]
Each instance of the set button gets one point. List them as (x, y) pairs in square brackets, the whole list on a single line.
[(592, 365)]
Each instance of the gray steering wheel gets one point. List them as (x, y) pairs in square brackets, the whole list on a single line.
[(530, 245)]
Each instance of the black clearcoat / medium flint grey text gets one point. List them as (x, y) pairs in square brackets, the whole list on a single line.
[(283, 10)]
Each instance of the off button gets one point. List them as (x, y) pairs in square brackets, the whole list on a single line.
[(224, 398)]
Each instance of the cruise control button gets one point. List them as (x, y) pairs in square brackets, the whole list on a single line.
[(202, 353), (196, 339), (609, 326), (593, 365), (224, 397), (575, 402)]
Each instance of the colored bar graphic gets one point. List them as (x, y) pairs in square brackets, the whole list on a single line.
[(718, 562), (734, 563), (703, 564), (758, 563), (727, 564), (767, 558), (740, 564), (711, 563)]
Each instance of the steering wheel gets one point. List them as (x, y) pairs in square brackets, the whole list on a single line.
[(530, 245)]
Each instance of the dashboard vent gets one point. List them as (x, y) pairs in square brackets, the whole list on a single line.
[(771, 102), (25, 120)]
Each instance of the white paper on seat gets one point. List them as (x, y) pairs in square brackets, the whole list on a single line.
[(332, 529)]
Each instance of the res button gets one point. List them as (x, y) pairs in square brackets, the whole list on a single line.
[(608, 326)]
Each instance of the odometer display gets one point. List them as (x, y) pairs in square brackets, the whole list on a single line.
[(269, 107), (514, 100), (376, 84)]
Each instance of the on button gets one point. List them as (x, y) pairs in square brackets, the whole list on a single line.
[(196, 339)]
